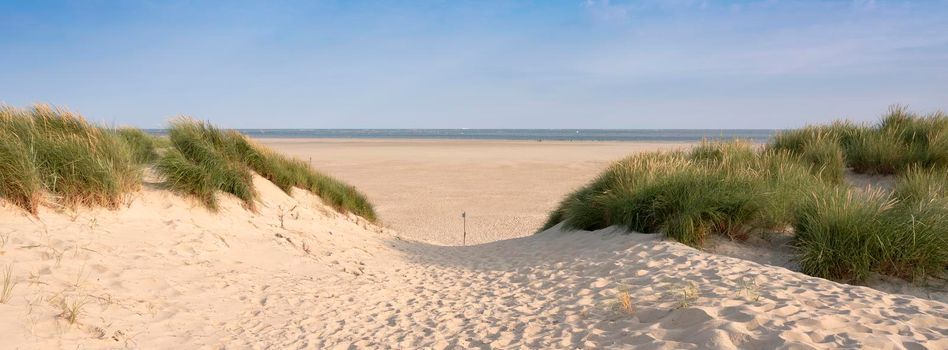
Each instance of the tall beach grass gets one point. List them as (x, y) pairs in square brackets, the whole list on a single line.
[(726, 188), (204, 159), (900, 140), (55, 156), (143, 146), (795, 183), (45, 150)]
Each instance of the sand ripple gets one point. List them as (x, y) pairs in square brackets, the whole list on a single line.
[(162, 273)]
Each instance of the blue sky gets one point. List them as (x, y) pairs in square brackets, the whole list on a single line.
[(477, 64)]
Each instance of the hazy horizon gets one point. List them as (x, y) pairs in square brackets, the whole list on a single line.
[(678, 64)]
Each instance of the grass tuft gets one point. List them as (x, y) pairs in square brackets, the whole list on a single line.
[(624, 301), (205, 159), (9, 282), (879, 152), (838, 232), (921, 184), (724, 188), (793, 183), (73, 309), (45, 150), (916, 242), (184, 176), (141, 144), (53, 150)]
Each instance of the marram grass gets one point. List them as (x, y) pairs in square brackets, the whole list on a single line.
[(838, 232), (53, 151), (900, 140), (794, 183), (49, 154), (142, 145), (205, 159), (213, 152), (726, 188)]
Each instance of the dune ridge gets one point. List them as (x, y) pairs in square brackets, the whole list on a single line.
[(163, 271)]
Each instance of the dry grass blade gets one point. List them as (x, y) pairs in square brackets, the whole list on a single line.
[(685, 295), (9, 282), (624, 301), (73, 309)]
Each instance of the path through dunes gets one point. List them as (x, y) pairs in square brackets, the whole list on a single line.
[(559, 290), (163, 273), (420, 187)]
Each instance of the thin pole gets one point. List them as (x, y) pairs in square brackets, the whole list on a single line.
[(464, 238)]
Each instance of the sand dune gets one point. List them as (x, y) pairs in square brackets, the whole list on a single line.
[(164, 272)]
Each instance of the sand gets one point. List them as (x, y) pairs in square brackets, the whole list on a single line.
[(164, 273), (421, 187)]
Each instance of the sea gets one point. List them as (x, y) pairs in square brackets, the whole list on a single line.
[(670, 135)]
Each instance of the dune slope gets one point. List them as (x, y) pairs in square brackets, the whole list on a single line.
[(164, 272)]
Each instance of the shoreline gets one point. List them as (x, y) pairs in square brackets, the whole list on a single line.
[(276, 140)]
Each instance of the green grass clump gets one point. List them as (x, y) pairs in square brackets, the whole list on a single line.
[(838, 233), (786, 181), (205, 159), (724, 188), (819, 147), (795, 184), (734, 153), (844, 235), (52, 150), (917, 243), (141, 144), (840, 132), (825, 159), (214, 152), (900, 140), (880, 152), (44, 150), (19, 179), (287, 173), (922, 184), (185, 176)]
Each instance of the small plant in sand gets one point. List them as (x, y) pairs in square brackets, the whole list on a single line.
[(749, 288), (56, 254), (71, 310), (685, 294), (283, 212), (9, 282), (624, 301), (80, 277)]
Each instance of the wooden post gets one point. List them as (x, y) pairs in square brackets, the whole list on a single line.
[(464, 237)]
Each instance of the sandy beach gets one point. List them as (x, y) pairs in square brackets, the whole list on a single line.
[(421, 187), (163, 271), (586, 174)]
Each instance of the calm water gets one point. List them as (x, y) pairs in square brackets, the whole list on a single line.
[(758, 135)]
